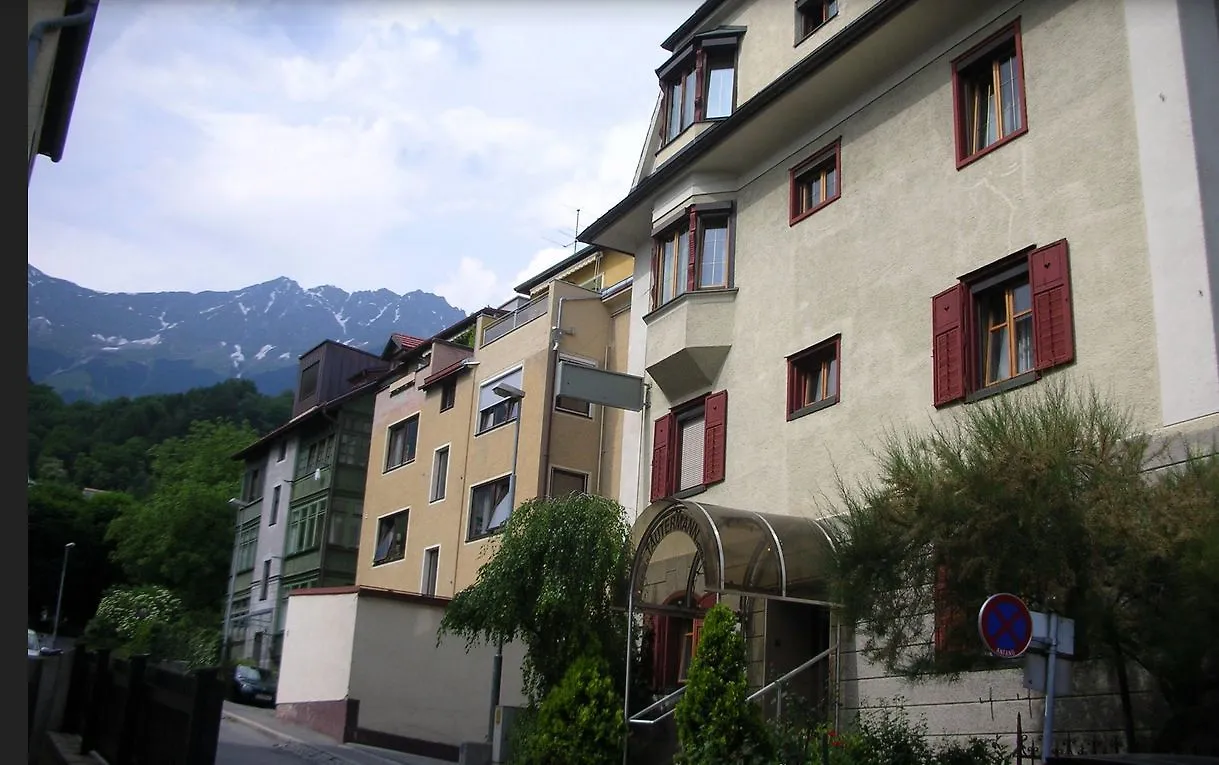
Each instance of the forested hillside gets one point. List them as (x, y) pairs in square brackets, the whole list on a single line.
[(105, 446)]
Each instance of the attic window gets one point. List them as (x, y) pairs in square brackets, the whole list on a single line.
[(699, 81)]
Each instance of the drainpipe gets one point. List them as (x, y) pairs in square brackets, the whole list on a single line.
[(39, 30)]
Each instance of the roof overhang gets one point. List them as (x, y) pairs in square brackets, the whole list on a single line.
[(867, 51), (66, 71)]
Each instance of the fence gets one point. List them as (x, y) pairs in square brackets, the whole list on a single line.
[(132, 713)]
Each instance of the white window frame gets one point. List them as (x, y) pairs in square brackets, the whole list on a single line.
[(489, 383), (470, 506), (376, 528), (582, 361), (423, 572), (385, 466), (588, 477), (432, 498)]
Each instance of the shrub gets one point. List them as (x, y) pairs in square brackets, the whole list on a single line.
[(579, 722), (716, 724)]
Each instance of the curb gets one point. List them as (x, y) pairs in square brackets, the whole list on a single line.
[(299, 747)]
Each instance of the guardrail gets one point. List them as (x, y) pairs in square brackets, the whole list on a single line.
[(518, 318)]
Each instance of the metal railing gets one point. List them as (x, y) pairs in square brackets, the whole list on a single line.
[(669, 702), (518, 318)]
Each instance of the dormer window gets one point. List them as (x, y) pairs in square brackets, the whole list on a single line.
[(699, 81)]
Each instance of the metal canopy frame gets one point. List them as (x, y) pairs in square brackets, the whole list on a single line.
[(742, 553)]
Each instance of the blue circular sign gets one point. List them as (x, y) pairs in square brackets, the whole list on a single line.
[(1006, 626)]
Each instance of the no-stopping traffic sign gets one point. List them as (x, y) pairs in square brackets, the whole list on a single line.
[(1006, 626)]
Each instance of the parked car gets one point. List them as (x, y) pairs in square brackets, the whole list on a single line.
[(252, 686)]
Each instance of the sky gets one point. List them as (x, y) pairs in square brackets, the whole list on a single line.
[(401, 144)]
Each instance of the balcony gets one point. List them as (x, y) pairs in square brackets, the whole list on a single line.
[(688, 341), (308, 484), (531, 310), (250, 512)]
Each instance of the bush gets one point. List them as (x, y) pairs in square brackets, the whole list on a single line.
[(888, 737), (578, 723), (716, 725)]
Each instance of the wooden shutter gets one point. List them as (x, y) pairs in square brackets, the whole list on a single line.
[(1050, 283), (700, 84), (949, 619), (660, 652), (948, 358), (662, 468), (692, 255), (715, 417)]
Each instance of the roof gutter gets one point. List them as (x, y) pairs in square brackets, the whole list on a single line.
[(39, 31), (851, 34)]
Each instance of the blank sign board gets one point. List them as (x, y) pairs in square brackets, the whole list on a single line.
[(615, 389)]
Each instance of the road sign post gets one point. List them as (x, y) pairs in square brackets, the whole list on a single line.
[(1047, 730)]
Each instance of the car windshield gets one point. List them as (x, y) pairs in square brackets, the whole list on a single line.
[(248, 673)]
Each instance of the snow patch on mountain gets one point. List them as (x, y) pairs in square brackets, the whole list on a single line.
[(113, 340), (242, 306), (263, 351), (154, 340), (237, 356), (285, 355)]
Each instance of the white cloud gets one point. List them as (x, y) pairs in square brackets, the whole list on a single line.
[(365, 144)]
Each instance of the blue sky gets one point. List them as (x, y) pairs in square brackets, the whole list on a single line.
[(372, 143)]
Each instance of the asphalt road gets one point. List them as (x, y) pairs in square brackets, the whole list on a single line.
[(242, 745)]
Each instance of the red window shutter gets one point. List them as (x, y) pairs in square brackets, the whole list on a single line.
[(1050, 283), (660, 652), (662, 469), (942, 612), (715, 414), (948, 344), (692, 259)]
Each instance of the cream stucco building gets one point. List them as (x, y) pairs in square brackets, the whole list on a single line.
[(851, 215), (362, 662)]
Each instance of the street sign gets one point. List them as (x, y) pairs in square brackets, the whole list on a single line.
[(615, 389), (1006, 626)]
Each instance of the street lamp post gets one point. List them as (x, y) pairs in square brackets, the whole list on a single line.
[(63, 574), (516, 395)]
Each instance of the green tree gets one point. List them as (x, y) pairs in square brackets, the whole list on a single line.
[(716, 724), (181, 536), (1041, 493), (579, 722), (551, 583)]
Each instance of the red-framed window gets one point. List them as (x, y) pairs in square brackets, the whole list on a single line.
[(988, 95), (814, 378), (692, 253), (815, 182), (1003, 325), (688, 446)]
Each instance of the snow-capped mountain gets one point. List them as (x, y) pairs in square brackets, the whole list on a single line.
[(99, 345)]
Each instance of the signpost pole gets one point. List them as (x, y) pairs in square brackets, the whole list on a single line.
[(1047, 733)]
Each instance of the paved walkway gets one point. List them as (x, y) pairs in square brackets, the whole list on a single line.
[(318, 747)]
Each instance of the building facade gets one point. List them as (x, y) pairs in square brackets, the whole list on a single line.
[(855, 215), (300, 508), (439, 487), (58, 39)]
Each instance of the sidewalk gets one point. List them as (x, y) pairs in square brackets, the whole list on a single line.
[(318, 747)]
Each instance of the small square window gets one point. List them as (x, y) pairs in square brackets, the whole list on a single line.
[(448, 395), (283, 451), (811, 15), (567, 482), (401, 442), (813, 377), (988, 95), (815, 182), (391, 538)]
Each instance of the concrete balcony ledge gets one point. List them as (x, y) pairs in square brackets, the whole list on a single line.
[(688, 340)]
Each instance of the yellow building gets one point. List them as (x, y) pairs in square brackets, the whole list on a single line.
[(439, 487), (58, 39)]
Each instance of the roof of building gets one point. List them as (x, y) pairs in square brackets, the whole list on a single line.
[(814, 62), (700, 15), (564, 264), (65, 81), (306, 416), (336, 342)]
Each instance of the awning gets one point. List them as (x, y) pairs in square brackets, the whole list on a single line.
[(742, 552)]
